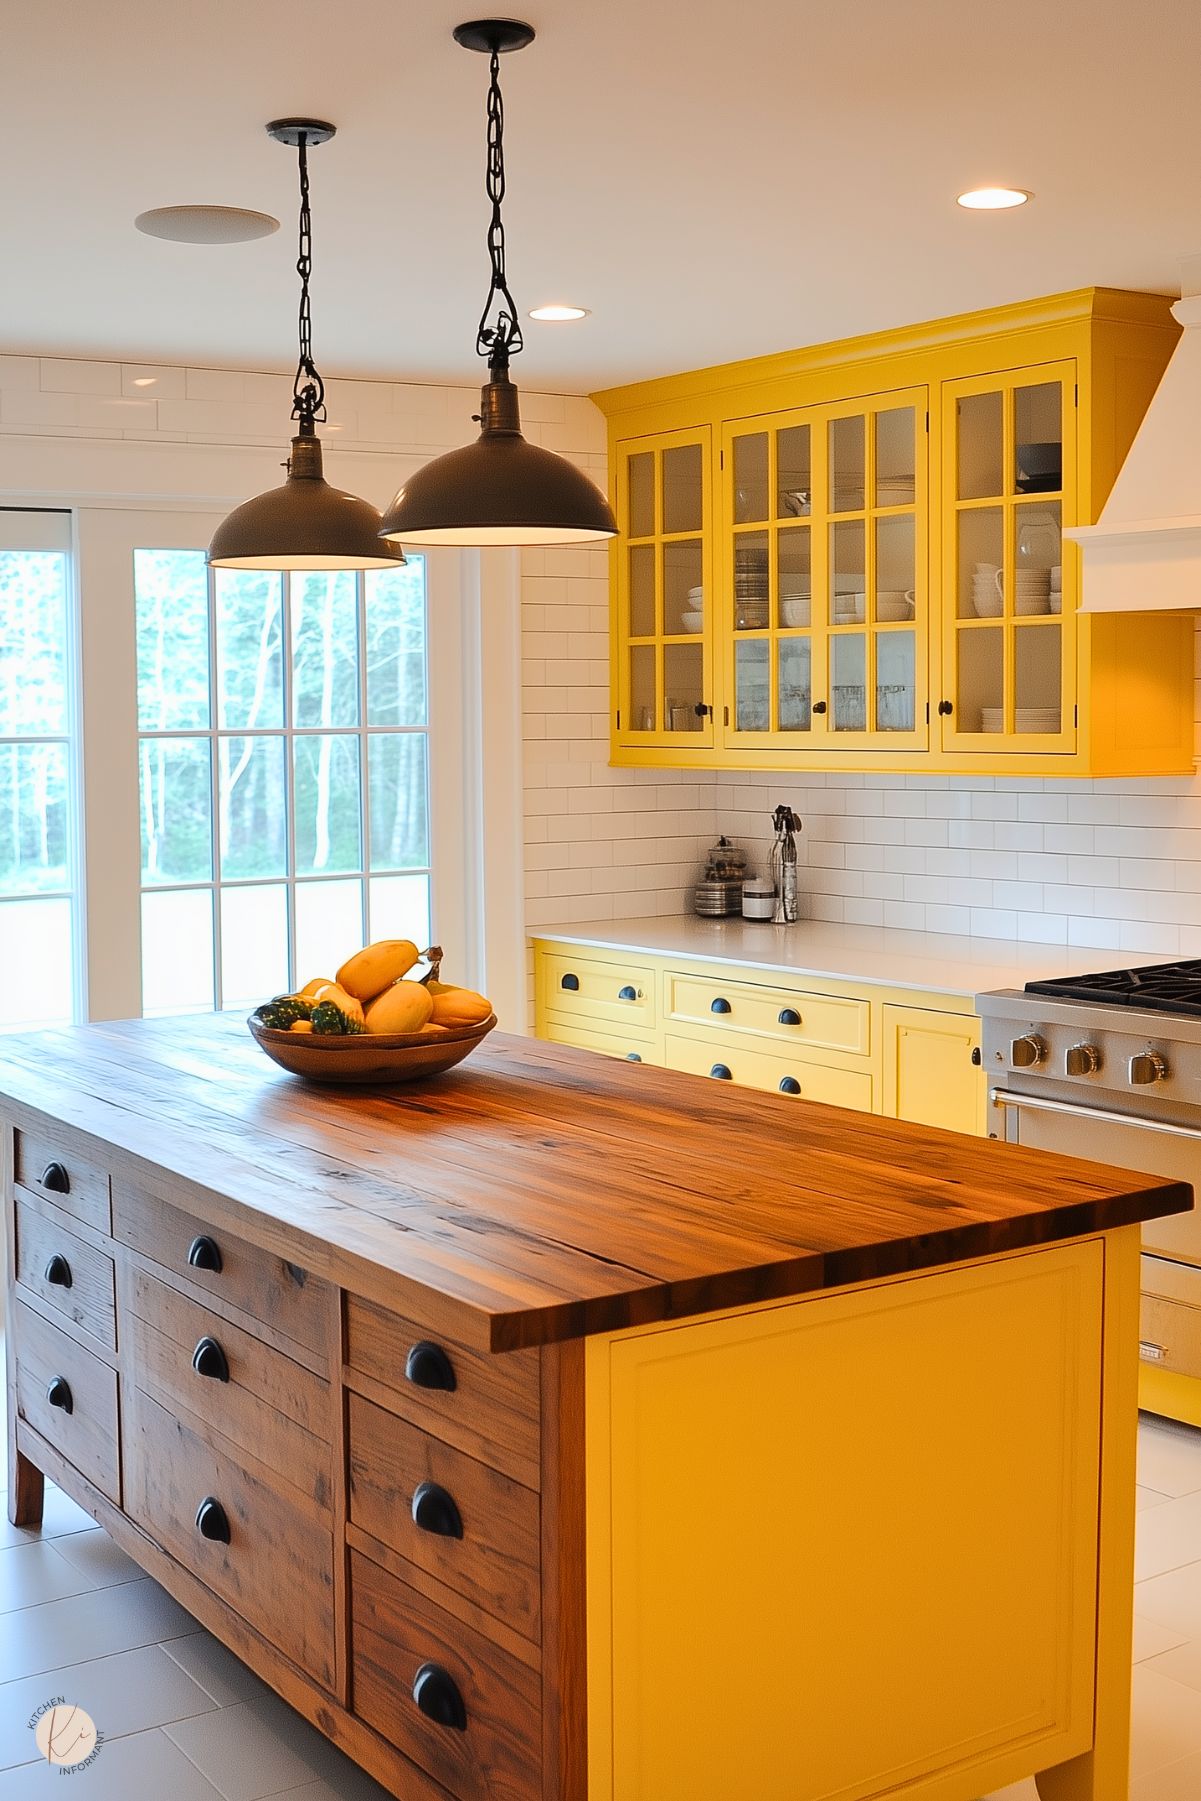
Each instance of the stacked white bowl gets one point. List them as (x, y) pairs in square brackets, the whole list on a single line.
[(692, 619), (987, 592)]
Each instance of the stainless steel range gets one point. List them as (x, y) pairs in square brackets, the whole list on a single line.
[(1108, 1066)]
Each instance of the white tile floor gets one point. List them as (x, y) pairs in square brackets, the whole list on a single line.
[(183, 1720)]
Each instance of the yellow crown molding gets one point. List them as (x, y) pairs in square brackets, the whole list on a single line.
[(1113, 305)]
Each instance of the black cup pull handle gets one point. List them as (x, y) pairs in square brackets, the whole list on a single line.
[(437, 1695), (627, 993), (208, 1359), (428, 1366), (58, 1272), (56, 1179), (205, 1253), (720, 1006), (434, 1510), (212, 1521), (59, 1394), (571, 982), (789, 1085), (722, 1072), (789, 1016)]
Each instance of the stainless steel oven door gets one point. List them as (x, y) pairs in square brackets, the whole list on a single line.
[(1157, 1147)]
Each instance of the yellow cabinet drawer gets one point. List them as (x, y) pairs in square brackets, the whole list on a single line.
[(619, 992), (630, 1045), (818, 1021), (780, 1070)]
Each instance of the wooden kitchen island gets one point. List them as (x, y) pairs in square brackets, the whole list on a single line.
[(567, 1429)]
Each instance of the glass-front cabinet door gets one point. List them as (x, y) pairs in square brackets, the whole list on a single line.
[(824, 577), (664, 632), (1009, 488)]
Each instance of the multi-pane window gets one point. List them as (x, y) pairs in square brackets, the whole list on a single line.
[(36, 790), (284, 773)]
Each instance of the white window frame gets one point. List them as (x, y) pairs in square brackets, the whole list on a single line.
[(107, 538)]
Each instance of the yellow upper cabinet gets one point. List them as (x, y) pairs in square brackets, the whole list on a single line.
[(853, 557)]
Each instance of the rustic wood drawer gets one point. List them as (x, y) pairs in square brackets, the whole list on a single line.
[(817, 1021), (494, 1408), (833, 1084), (50, 1165), (276, 1567), (279, 1294), (70, 1275), (69, 1396), (412, 1491), (630, 1045), (252, 1394), (621, 992), (396, 1635)]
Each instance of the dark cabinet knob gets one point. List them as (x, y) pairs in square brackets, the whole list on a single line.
[(205, 1253), (437, 1695), (434, 1510), (788, 1016), (56, 1179), (208, 1359), (945, 709), (627, 993), (212, 1521), (977, 1059), (58, 1272), (428, 1366), (789, 1085), (819, 706), (59, 1394), (633, 1057), (570, 982), (720, 1006), (722, 1073)]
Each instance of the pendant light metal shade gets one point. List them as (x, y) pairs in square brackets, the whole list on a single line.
[(305, 524), (499, 490)]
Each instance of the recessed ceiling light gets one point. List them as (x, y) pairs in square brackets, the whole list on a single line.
[(206, 224), (993, 200), (558, 311)]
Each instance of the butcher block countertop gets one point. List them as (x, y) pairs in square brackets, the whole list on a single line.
[(540, 1193)]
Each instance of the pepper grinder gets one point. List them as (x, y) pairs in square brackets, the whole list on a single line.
[(784, 867)]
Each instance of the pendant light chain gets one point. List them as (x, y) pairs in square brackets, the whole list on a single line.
[(500, 341), (308, 389)]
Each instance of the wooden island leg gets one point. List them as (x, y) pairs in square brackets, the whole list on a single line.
[(1103, 1774), (26, 1490)]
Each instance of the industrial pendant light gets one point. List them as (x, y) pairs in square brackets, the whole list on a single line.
[(306, 524), (499, 490)]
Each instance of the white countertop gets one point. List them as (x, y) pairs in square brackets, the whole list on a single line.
[(934, 961)]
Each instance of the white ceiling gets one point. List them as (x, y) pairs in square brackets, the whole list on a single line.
[(712, 181)]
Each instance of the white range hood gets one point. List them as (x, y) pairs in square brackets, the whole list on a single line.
[(1144, 553)]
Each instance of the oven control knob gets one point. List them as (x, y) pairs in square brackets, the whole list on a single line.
[(1024, 1053), (1147, 1066), (1082, 1060)]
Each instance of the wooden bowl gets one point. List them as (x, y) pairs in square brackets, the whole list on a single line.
[(377, 1060)]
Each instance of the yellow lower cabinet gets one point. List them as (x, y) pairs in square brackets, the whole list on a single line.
[(630, 1046), (846, 1547), (618, 992), (729, 1061), (929, 1072), (818, 1021)]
